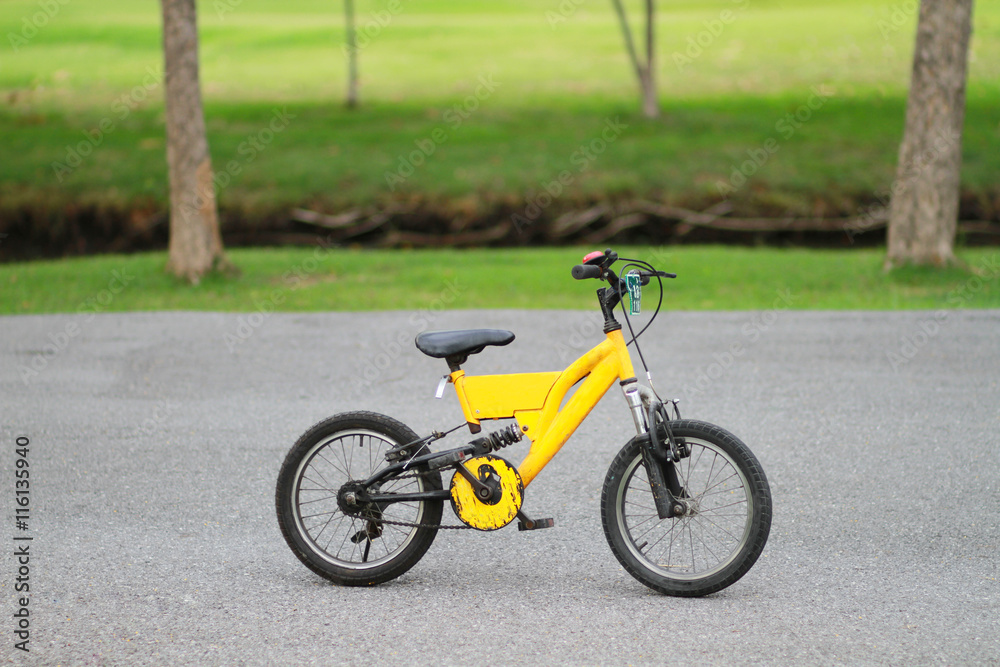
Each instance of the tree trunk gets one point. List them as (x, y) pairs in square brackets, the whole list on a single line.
[(645, 72), (195, 246), (352, 55), (650, 104), (923, 213)]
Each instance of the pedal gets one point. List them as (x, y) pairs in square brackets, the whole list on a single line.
[(527, 523)]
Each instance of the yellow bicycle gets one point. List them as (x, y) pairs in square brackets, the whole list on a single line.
[(686, 506)]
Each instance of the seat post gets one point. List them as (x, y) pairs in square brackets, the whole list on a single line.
[(455, 361), (453, 364)]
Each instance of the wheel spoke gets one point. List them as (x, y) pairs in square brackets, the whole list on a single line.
[(694, 565), (325, 485), (310, 516), (720, 507), (332, 465), (706, 547), (327, 523), (651, 528), (670, 533), (720, 528), (317, 500), (640, 505), (691, 466), (343, 455), (722, 481), (715, 493)]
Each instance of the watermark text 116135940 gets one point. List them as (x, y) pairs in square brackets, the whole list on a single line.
[(22, 544)]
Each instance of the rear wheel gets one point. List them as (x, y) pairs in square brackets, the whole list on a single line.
[(724, 526), (353, 550)]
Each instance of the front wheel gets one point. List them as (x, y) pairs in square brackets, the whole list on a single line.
[(724, 526), (375, 544)]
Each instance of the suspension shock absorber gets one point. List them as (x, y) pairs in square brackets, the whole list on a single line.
[(493, 441), (504, 437)]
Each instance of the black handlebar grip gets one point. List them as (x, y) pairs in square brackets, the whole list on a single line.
[(582, 271)]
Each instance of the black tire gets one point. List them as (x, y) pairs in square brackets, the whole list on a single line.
[(350, 447), (713, 546)]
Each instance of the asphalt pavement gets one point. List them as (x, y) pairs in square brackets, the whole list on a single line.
[(154, 441)]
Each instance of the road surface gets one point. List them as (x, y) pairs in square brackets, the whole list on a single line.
[(155, 440)]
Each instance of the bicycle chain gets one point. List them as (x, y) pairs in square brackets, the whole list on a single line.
[(408, 524)]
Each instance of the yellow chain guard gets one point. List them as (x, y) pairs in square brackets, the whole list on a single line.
[(474, 512)]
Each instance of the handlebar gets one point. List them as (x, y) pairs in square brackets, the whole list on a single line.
[(597, 265), (583, 271)]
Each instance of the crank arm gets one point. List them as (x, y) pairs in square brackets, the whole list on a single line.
[(483, 489)]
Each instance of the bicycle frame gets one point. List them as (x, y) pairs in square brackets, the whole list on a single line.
[(534, 399)]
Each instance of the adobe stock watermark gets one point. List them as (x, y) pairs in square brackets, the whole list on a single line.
[(928, 328), (785, 128), (454, 117), (31, 25), (121, 108), (247, 325), (368, 31), (698, 43), (583, 336), (896, 18), (364, 34), (223, 7), (751, 331), (57, 342), (23, 506), (248, 150), (153, 423), (250, 323), (873, 215), (565, 10), (375, 366), (581, 158), (253, 145)]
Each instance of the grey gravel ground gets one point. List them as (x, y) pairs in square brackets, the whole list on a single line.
[(156, 440)]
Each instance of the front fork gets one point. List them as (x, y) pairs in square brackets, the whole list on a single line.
[(658, 451)]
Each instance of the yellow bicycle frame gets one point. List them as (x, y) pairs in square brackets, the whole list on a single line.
[(534, 398)]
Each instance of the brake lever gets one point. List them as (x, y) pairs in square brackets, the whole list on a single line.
[(646, 275)]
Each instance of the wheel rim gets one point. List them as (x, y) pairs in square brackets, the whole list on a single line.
[(693, 546), (328, 532)]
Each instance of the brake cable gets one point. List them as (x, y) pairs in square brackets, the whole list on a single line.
[(640, 264)]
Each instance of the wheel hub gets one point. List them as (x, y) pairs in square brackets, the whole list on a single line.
[(686, 507), (349, 499)]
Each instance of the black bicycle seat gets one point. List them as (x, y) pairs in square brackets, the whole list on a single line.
[(441, 344)]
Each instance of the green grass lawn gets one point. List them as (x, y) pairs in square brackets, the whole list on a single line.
[(88, 80), (303, 279)]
